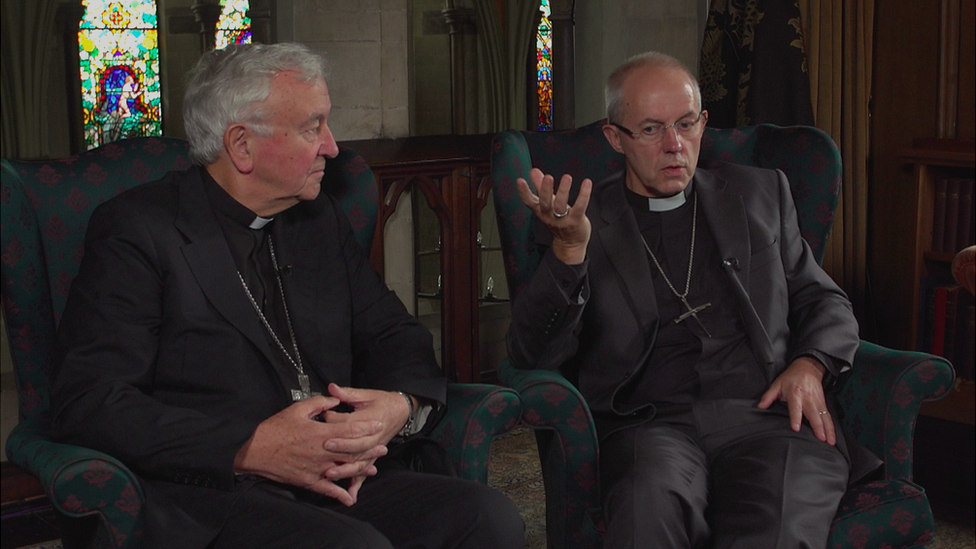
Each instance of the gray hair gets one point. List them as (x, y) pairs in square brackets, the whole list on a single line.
[(614, 94), (227, 86)]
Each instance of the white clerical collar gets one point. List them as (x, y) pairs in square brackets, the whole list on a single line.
[(259, 222), (666, 204)]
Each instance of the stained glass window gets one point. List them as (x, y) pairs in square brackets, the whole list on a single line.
[(119, 55), (234, 26), (543, 50)]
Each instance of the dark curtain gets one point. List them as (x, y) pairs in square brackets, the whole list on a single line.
[(753, 67)]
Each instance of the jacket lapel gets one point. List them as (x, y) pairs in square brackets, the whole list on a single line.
[(209, 259), (726, 217), (626, 254)]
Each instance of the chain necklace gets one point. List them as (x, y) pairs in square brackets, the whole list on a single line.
[(692, 311), (296, 361)]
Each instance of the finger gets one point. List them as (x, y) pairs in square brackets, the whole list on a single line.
[(348, 395), (335, 429), (353, 469), (795, 406), (316, 405), (817, 421), (330, 489), (830, 433), (528, 197), (355, 485), (560, 197), (769, 397), (536, 176), (583, 199), (546, 194), (356, 452)]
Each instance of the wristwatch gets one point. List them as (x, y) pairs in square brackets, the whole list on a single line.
[(414, 420)]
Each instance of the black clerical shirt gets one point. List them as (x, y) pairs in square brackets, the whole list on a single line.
[(252, 259), (687, 364)]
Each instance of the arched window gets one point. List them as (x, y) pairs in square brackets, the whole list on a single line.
[(543, 50), (119, 68), (233, 27)]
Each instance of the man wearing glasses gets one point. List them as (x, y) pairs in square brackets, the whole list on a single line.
[(694, 319)]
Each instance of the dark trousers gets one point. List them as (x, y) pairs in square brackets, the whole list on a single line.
[(397, 508), (720, 474)]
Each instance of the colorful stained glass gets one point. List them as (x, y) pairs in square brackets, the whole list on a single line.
[(234, 26), (119, 69), (543, 50)]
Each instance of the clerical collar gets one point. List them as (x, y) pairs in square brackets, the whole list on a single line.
[(259, 222), (665, 204), (227, 205)]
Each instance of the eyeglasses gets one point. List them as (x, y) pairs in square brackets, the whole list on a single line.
[(653, 133)]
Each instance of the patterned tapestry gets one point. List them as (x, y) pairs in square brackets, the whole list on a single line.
[(753, 67)]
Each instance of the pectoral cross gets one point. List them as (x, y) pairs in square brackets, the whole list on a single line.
[(305, 391), (693, 312)]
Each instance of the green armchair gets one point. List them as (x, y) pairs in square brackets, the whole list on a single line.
[(44, 211), (880, 400)]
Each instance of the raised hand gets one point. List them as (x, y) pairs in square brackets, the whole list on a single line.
[(569, 225)]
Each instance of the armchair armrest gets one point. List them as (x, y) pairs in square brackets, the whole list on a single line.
[(476, 413), (568, 448), (881, 400), (81, 483)]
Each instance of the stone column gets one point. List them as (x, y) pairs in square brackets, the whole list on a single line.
[(207, 15), (262, 22), (464, 69), (563, 64), (68, 20)]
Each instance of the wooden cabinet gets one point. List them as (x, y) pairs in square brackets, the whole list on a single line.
[(447, 177), (934, 160)]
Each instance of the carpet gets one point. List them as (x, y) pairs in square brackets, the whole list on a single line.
[(513, 468)]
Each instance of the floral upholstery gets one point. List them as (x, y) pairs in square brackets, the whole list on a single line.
[(880, 400), (45, 210)]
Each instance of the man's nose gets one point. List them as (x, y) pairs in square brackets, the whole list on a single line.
[(328, 148), (672, 140)]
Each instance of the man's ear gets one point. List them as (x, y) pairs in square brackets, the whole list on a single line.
[(237, 144), (613, 137)]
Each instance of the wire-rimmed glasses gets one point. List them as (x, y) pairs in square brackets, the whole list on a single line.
[(653, 133)]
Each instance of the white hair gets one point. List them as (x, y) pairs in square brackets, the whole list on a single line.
[(228, 85)]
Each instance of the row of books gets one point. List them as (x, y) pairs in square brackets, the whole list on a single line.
[(948, 324), (952, 221)]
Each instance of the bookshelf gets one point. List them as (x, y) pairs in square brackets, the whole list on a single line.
[(935, 161)]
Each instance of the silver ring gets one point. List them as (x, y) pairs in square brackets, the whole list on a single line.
[(822, 412), (561, 215)]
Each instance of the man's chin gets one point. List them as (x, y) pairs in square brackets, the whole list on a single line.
[(311, 191)]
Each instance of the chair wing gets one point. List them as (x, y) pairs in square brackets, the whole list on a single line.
[(44, 213)]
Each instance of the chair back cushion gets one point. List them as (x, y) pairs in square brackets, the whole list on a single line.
[(45, 210), (807, 156)]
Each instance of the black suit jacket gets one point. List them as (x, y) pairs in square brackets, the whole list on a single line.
[(601, 339), (164, 364)]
